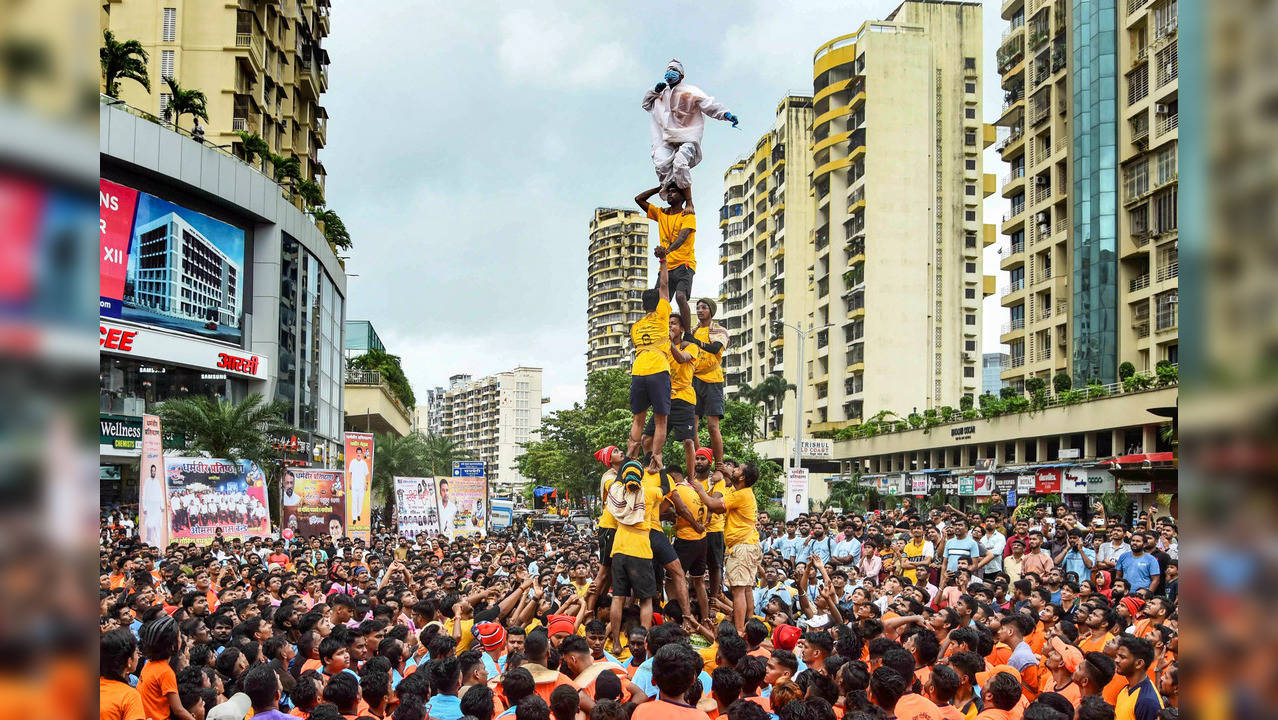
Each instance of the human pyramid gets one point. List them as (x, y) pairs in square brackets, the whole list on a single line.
[(887, 614)]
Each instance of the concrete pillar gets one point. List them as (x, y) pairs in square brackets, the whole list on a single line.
[(1000, 457), (1018, 452), (1117, 443), (1089, 445), (1040, 449), (1149, 438), (936, 458)]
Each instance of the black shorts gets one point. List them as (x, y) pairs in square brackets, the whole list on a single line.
[(650, 391), (715, 551), (692, 556), (709, 398), (681, 423), (678, 278), (632, 577), (662, 552), (605, 536)]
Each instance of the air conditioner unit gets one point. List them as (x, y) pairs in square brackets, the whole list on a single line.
[(1161, 109), (1041, 180), (1042, 217)]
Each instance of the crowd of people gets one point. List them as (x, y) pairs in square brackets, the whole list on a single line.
[(1031, 613)]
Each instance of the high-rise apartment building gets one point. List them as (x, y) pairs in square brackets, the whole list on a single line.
[(766, 218), (260, 64), (428, 418), (617, 275), (491, 417), (992, 365), (1091, 232)]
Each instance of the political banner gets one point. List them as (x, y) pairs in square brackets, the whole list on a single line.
[(359, 485), (983, 484), (312, 503), (462, 506), (796, 493), (208, 495), (153, 495), (416, 506)]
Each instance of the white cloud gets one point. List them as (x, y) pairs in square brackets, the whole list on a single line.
[(561, 48)]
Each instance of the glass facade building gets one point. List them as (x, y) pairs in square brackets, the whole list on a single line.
[(1095, 192), (310, 339)]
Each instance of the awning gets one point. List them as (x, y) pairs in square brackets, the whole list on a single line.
[(1140, 458)]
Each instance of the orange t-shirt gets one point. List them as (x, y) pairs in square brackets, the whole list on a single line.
[(1070, 691), (924, 674), (155, 684), (762, 702), (118, 701), (994, 714), (298, 712), (1115, 686), (999, 655), (914, 706), (949, 712), (661, 709), (1087, 644), (1037, 639)]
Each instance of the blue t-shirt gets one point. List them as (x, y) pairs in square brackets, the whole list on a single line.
[(849, 547), (1139, 572), (444, 707), (643, 679), (1073, 562), (788, 546), (960, 548)]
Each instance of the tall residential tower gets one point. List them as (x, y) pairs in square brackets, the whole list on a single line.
[(617, 275)]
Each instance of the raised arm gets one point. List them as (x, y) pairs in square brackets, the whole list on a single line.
[(681, 508), (714, 502), (663, 280), (642, 198)]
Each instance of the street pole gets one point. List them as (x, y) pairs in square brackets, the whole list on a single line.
[(798, 399)]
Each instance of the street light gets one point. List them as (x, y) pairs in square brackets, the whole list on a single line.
[(798, 391)]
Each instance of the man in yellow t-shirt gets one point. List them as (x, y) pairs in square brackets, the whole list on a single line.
[(690, 543), (632, 574), (650, 373), (606, 531), (677, 226), (711, 339), (715, 485), (680, 423), (741, 534)]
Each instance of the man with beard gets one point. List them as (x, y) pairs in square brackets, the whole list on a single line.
[(1139, 700), (714, 483)]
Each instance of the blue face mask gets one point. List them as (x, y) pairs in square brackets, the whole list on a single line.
[(672, 77)]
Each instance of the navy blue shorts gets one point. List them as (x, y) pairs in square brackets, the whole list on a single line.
[(650, 391)]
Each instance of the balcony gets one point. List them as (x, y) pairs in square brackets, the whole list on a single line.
[(372, 407), (249, 37), (1014, 136), (1167, 123), (1168, 271), (1014, 325), (1013, 287), (1139, 282), (307, 78)]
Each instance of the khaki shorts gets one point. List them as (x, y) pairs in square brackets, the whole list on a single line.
[(742, 566)]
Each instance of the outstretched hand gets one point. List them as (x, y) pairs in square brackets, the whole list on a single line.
[(732, 119)]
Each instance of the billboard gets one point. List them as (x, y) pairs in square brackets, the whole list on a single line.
[(462, 505), (359, 484), (796, 493), (208, 495), (312, 503), (153, 495), (416, 506), (167, 266)]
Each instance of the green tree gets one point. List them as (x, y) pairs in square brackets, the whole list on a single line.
[(122, 61), (396, 456), (769, 395), (286, 168), (311, 193), (334, 229), (388, 366), (185, 102), (228, 430), (440, 452), (254, 148)]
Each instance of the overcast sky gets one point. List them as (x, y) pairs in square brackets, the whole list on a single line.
[(470, 142)]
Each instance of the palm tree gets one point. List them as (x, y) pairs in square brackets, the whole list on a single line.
[(311, 193), (334, 229), (396, 457), (185, 102), (441, 452), (122, 61), (286, 167), (254, 147), (227, 430), (773, 389)]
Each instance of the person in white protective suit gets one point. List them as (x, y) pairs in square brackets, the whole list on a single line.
[(677, 125)]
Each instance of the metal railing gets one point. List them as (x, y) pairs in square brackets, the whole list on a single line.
[(1016, 174), (1166, 319), (1168, 271), (1017, 324), (1014, 286), (1139, 282), (1167, 123)]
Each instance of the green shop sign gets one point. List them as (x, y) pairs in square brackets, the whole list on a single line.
[(124, 432)]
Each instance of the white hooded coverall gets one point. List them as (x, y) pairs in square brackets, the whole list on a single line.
[(677, 126)]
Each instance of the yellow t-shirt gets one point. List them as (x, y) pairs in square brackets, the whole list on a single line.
[(913, 553), (718, 486), (606, 520), (709, 365), (741, 523), (653, 515), (681, 377), (670, 225), (651, 336), (633, 540), (466, 637), (683, 529)]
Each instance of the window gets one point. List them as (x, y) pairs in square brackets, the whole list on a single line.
[(1139, 218), (969, 293), (170, 25), (970, 164), (970, 189), (166, 63), (1166, 165), (969, 267), (970, 113), (165, 99), (969, 87), (970, 216), (969, 63), (969, 137), (969, 371), (1136, 179), (1165, 211), (969, 239), (969, 345), (1137, 84), (970, 318)]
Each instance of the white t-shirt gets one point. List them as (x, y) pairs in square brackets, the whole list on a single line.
[(447, 512)]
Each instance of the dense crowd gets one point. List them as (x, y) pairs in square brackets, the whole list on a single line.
[(940, 614)]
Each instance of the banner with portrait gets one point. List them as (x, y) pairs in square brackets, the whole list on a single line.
[(416, 506), (359, 485), (153, 495), (462, 506), (209, 495), (312, 503)]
